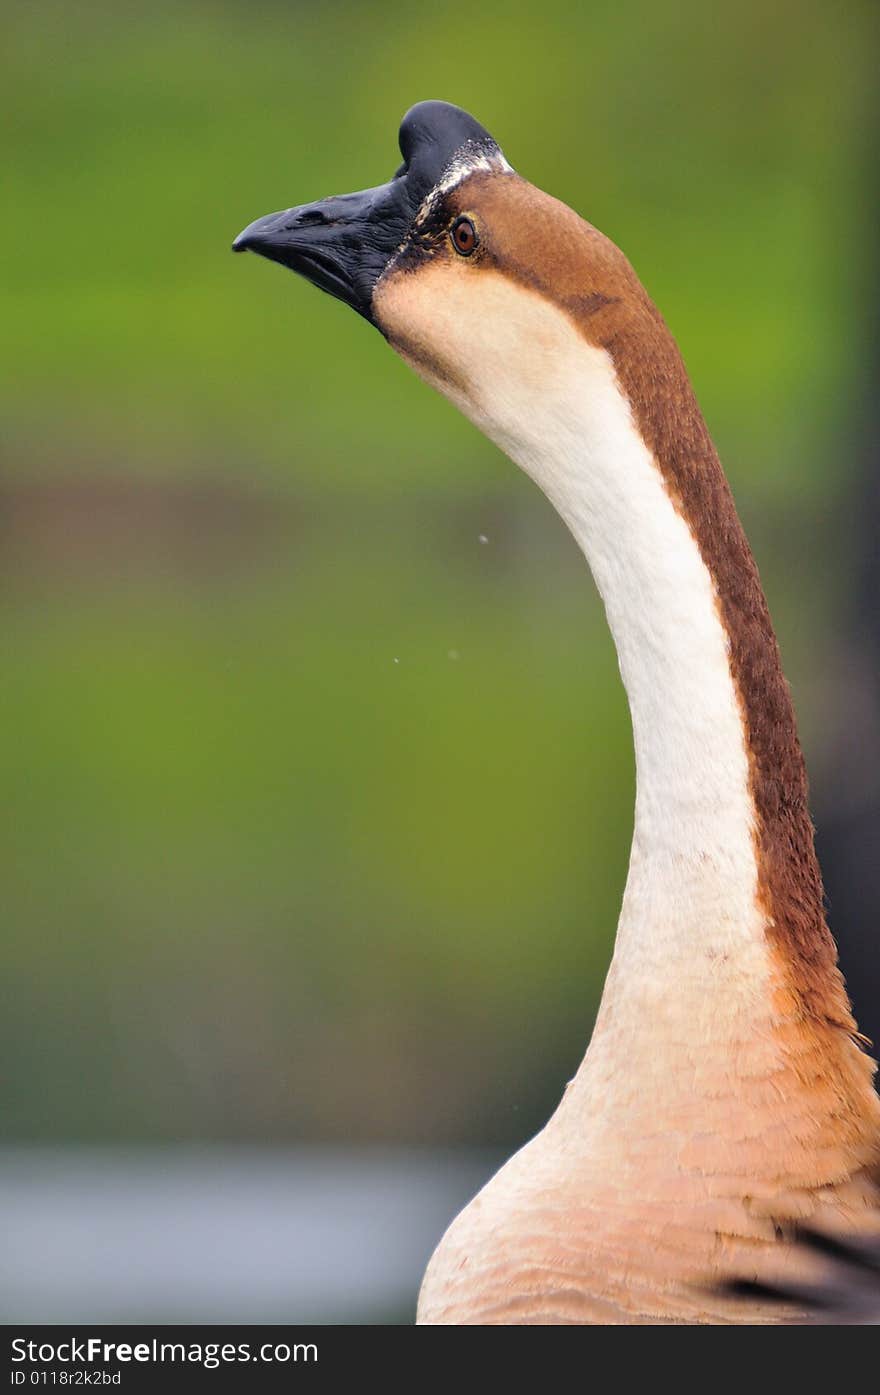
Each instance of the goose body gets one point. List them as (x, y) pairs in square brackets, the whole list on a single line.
[(725, 1092)]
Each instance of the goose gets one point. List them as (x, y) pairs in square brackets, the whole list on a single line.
[(726, 1095)]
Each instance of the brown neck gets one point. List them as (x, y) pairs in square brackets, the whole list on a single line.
[(621, 318), (540, 245), (790, 882)]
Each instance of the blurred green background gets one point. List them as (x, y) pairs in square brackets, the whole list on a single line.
[(318, 804)]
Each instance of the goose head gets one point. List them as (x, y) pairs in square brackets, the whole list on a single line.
[(345, 244), (462, 265)]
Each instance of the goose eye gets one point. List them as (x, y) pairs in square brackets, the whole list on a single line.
[(464, 236)]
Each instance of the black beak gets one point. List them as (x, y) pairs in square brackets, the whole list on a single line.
[(340, 244), (343, 244)]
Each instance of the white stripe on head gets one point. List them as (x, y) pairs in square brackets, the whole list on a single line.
[(470, 158)]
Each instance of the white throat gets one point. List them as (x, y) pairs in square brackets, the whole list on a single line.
[(693, 807), (690, 931)]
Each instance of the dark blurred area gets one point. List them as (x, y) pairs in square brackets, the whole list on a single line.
[(848, 798), (317, 763)]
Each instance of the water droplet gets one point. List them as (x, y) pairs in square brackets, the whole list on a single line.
[(483, 538)]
